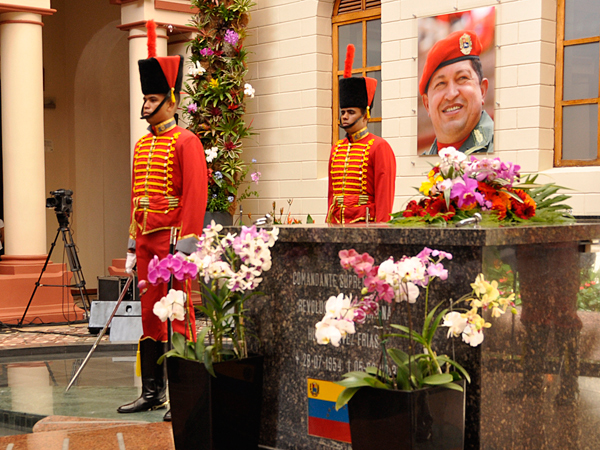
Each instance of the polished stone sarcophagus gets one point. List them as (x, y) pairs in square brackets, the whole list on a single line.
[(535, 378)]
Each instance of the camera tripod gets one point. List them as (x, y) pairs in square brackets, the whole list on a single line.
[(74, 265)]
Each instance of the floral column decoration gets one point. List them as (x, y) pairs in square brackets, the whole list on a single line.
[(217, 91)]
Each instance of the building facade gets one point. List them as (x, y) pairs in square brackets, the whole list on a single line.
[(71, 104)]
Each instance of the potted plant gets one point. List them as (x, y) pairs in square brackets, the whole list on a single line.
[(217, 92), (412, 399), (214, 382)]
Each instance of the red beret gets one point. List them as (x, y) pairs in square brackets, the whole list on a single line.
[(455, 47)]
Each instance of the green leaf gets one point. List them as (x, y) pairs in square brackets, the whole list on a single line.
[(345, 397), (453, 386), (398, 356), (169, 354), (461, 369), (437, 379), (436, 323), (357, 379), (200, 348), (179, 344), (208, 362)]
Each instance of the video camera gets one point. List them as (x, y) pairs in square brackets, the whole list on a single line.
[(61, 201)]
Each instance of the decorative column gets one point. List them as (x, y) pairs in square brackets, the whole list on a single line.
[(23, 133), (24, 175), (138, 49)]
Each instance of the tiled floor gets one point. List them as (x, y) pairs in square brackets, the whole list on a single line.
[(37, 363)]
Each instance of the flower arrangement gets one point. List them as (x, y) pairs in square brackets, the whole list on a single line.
[(217, 91), (401, 282), (229, 269), (459, 186)]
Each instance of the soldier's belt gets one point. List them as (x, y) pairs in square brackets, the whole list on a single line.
[(351, 200), (157, 202)]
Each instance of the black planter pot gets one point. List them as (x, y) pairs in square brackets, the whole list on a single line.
[(221, 413), (427, 419), (220, 218)]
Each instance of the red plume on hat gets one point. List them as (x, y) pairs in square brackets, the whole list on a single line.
[(349, 61), (151, 27)]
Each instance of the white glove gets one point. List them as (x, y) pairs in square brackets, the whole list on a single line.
[(130, 263)]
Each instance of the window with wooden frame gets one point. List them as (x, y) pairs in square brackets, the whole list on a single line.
[(357, 22), (577, 140)]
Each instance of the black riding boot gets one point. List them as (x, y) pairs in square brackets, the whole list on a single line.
[(153, 379)]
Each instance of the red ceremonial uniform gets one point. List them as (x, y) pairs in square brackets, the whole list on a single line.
[(361, 174), (169, 189)]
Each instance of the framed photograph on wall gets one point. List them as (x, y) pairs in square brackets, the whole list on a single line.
[(439, 109)]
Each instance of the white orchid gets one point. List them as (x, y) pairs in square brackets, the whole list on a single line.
[(338, 307), (407, 292), (249, 90), (196, 69), (171, 307), (211, 153), (328, 333), (455, 322), (472, 336)]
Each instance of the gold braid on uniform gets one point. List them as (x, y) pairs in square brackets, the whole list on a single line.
[(349, 167), (153, 176)]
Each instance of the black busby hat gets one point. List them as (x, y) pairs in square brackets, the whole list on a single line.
[(355, 92), (160, 75)]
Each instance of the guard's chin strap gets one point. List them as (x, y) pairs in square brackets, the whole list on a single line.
[(155, 110), (355, 122)]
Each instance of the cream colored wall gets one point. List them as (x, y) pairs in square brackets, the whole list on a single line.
[(290, 68), (291, 65), (85, 62)]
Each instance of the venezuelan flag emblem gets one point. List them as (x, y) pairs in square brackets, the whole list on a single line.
[(323, 420)]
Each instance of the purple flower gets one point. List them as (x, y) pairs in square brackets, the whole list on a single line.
[(160, 270), (187, 270), (206, 52), (157, 273), (465, 192), (255, 176), (232, 37), (192, 108)]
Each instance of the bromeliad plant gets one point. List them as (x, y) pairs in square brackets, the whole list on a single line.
[(458, 187), (217, 93), (229, 269), (395, 282)]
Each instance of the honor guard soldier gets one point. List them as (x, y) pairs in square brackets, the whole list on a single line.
[(453, 90), (362, 167), (169, 191)]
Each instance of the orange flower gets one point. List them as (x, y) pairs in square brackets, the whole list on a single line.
[(525, 210)]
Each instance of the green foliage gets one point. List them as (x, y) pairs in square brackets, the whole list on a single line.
[(588, 297), (216, 109), (549, 205)]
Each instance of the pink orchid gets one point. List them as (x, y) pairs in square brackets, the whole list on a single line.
[(363, 264), (347, 258)]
